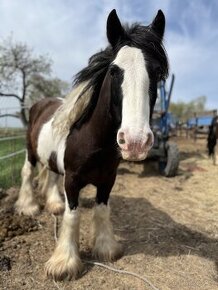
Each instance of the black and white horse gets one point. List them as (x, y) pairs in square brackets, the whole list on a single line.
[(105, 117)]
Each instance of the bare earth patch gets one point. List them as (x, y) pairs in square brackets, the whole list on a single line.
[(168, 227)]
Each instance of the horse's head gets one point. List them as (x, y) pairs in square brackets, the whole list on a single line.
[(140, 62)]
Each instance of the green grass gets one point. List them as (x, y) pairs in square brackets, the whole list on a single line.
[(10, 146), (4, 132), (10, 168), (10, 171)]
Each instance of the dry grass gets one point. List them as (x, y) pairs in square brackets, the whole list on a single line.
[(168, 227)]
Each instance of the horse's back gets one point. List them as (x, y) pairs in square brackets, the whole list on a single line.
[(43, 110)]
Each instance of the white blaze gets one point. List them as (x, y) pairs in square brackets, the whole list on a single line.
[(135, 88)]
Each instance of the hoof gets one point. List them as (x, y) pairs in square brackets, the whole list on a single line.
[(60, 268), (107, 251), (29, 210), (55, 207)]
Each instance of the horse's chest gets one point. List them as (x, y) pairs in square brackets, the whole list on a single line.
[(90, 163), (100, 166)]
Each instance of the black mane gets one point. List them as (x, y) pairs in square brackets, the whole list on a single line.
[(136, 35), (96, 70), (144, 38), (94, 74)]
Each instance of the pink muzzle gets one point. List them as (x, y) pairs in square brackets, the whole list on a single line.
[(135, 146)]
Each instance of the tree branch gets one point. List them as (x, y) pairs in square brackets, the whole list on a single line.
[(24, 84), (10, 95)]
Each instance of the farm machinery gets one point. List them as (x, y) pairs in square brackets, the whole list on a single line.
[(164, 152)]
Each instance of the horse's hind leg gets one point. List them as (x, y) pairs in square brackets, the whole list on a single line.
[(26, 204), (105, 247), (39, 180), (54, 203)]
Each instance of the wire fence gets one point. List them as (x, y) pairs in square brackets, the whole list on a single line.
[(12, 148)]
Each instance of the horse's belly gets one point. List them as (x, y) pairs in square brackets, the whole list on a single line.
[(50, 145)]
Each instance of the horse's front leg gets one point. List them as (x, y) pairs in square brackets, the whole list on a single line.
[(65, 262), (105, 247)]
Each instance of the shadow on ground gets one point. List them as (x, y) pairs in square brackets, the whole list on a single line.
[(145, 229)]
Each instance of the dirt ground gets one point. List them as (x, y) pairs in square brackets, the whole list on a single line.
[(167, 226)]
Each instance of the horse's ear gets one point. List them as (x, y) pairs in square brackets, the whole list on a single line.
[(158, 24), (115, 31)]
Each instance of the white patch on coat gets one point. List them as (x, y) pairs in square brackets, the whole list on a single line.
[(49, 142), (53, 135), (135, 89)]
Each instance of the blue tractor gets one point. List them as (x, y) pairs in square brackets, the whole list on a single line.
[(166, 153)]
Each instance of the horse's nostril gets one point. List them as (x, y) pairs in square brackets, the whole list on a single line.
[(121, 141), (150, 140), (121, 138)]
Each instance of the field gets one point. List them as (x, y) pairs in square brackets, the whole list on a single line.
[(167, 226), (11, 141)]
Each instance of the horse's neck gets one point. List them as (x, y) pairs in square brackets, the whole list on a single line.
[(101, 120), (71, 110), (102, 109)]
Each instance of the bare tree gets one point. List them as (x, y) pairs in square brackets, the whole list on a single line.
[(46, 88), (24, 76)]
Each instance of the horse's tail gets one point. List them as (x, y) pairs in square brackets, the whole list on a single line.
[(211, 139)]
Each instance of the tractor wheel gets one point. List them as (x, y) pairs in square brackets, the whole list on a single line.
[(170, 166)]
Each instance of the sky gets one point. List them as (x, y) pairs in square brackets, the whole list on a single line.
[(70, 31)]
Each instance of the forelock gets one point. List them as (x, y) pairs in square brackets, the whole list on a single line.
[(144, 38)]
